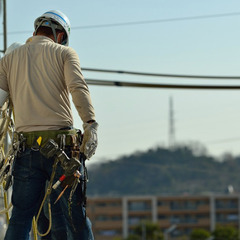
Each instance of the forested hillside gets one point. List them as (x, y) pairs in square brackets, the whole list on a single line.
[(161, 171)]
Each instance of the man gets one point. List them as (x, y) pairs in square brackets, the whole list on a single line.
[(39, 76)]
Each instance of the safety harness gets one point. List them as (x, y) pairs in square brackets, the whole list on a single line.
[(7, 152)]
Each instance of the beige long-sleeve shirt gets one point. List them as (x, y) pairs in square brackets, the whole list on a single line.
[(39, 76)]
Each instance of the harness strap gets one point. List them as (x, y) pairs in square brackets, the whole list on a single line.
[(56, 135)]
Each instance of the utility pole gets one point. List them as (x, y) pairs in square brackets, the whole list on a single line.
[(171, 125), (3, 2)]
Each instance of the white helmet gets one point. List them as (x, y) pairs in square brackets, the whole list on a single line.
[(55, 20)]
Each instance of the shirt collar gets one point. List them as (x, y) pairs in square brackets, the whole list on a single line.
[(41, 38)]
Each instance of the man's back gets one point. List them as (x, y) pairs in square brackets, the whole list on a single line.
[(40, 74)]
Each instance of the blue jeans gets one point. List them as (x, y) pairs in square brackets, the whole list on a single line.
[(31, 171)]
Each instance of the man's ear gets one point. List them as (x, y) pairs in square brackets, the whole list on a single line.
[(60, 37)]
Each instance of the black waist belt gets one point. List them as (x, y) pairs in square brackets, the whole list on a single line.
[(69, 137)]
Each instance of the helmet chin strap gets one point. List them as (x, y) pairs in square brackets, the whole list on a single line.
[(54, 32)]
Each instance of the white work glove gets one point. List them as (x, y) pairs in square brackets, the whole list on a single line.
[(90, 140)]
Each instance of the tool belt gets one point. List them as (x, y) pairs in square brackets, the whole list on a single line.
[(64, 138)]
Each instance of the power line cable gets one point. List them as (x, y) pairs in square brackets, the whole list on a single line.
[(162, 74), (153, 85), (154, 21), (160, 20), (226, 140)]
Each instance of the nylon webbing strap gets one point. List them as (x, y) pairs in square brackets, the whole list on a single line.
[(49, 134)]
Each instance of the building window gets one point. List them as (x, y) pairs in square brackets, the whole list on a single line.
[(203, 202), (101, 218), (134, 220), (108, 217), (189, 219), (139, 206), (108, 204), (162, 217), (232, 217), (116, 218), (226, 204), (202, 216), (162, 203), (226, 218), (183, 205), (109, 232), (100, 204), (174, 219)]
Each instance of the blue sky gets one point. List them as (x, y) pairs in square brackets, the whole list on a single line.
[(133, 119)]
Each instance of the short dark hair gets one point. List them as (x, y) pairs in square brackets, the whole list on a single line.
[(46, 31)]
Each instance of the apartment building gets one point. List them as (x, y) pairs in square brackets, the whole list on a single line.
[(116, 216)]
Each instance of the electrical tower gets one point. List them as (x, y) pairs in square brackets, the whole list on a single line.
[(171, 137)]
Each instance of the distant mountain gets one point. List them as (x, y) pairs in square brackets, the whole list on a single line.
[(164, 172)]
